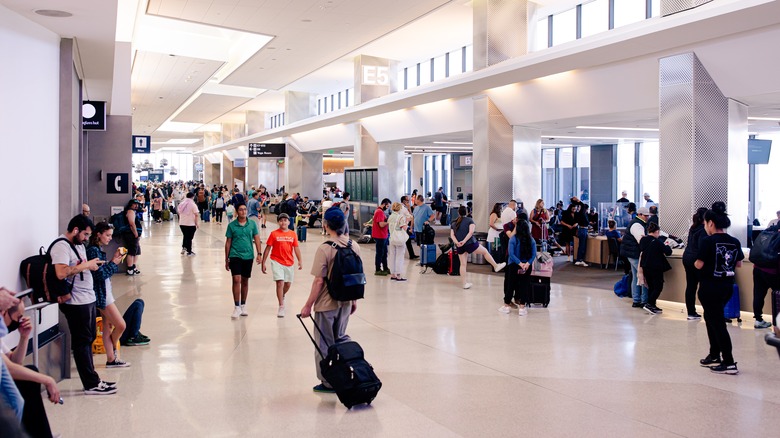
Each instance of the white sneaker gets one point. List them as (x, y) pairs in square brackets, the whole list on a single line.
[(467, 286), (236, 313), (280, 313), (499, 267), (504, 309), (243, 310), (183, 251), (522, 311)]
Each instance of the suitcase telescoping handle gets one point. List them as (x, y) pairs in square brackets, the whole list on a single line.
[(309, 333)]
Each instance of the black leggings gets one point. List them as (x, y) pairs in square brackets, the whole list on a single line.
[(34, 418), (516, 285), (713, 297), (189, 233), (762, 282), (218, 214), (691, 284)]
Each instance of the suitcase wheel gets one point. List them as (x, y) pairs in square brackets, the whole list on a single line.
[(544, 305)]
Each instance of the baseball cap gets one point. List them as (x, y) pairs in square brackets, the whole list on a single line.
[(282, 216), (643, 211)]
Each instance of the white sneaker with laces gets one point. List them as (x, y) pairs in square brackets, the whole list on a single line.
[(243, 310), (467, 286), (280, 313), (504, 309), (522, 311), (236, 313), (101, 389), (499, 267)]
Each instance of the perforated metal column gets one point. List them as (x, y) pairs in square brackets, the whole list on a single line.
[(669, 7), (527, 168), (304, 173), (694, 122), (500, 30), (299, 105), (493, 160)]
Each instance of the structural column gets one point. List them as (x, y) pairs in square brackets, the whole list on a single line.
[(527, 168), (703, 147), (501, 29), (493, 160), (304, 173), (603, 174)]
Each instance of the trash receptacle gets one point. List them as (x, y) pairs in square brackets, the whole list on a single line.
[(479, 259)]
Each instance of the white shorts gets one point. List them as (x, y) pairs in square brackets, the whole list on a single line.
[(281, 272)]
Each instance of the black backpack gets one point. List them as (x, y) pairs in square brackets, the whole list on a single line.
[(346, 281), (428, 235), (765, 252), (40, 275), (119, 222)]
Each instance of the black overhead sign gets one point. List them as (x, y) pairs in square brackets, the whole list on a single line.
[(93, 115), (118, 183), (267, 150)]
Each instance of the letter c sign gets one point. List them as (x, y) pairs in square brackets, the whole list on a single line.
[(118, 183)]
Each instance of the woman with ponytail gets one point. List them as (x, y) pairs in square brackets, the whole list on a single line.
[(719, 256), (462, 234), (517, 280)]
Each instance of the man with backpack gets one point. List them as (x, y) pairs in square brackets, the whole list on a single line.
[(69, 258), (766, 271), (331, 315)]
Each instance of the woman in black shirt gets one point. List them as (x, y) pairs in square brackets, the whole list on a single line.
[(719, 256), (695, 234)]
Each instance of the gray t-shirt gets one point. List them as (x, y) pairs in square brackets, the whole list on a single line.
[(462, 230), (83, 291)]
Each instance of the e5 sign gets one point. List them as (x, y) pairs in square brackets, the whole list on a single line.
[(375, 75)]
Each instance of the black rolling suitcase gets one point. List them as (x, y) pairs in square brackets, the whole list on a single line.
[(540, 291), (300, 230), (347, 371)]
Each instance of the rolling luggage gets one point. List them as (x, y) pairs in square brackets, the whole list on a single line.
[(166, 215), (301, 232), (427, 257), (775, 306), (731, 310), (347, 371), (428, 235), (207, 216), (540, 291), (454, 265)]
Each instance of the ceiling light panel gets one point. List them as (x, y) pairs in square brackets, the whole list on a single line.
[(208, 107), (174, 78)]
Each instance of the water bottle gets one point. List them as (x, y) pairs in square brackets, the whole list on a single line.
[(544, 246)]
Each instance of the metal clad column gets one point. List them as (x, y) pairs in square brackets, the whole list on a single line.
[(391, 172), (299, 105), (366, 149), (669, 7), (500, 31), (255, 123), (527, 169), (304, 173), (493, 160), (695, 170), (374, 77)]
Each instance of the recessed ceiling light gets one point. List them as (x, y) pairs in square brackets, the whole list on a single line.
[(766, 119), (306, 20), (53, 13), (618, 128)]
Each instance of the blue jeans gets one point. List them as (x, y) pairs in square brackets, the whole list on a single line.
[(639, 293), (582, 235), (381, 254), (9, 393), (132, 317)]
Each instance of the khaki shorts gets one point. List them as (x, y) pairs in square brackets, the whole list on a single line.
[(281, 272)]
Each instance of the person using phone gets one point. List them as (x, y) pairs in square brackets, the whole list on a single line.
[(517, 280), (69, 258)]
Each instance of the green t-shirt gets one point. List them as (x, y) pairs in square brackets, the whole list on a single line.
[(243, 239)]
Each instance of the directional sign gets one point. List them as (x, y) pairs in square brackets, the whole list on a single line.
[(267, 150), (142, 144)]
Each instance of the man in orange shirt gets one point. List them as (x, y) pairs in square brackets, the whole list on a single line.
[(281, 244)]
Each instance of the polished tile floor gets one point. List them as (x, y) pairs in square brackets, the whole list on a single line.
[(451, 365)]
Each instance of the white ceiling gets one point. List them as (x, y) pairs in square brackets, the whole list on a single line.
[(312, 47)]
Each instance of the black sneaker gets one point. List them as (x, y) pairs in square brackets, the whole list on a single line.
[(637, 305), (132, 342), (694, 317), (101, 389), (323, 389), (658, 309), (650, 309), (709, 360), (725, 369), (117, 363), (143, 337), (111, 384)]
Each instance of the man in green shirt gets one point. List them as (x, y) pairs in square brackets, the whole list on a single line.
[(241, 233)]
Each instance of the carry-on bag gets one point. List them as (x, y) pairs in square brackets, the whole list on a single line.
[(427, 257), (301, 231), (454, 268), (540, 291), (346, 370), (731, 310)]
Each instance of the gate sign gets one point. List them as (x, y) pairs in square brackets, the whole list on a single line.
[(267, 150), (142, 144), (157, 175), (199, 167), (118, 183)]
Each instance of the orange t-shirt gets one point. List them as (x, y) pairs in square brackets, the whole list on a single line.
[(282, 244)]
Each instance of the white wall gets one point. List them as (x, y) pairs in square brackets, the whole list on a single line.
[(29, 121)]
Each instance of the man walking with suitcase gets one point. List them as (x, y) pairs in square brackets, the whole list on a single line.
[(330, 315)]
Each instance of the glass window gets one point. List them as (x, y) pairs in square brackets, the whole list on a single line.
[(566, 173), (469, 58), (439, 68), (540, 39), (583, 170), (650, 159), (401, 79), (425, 72), (595, 17), (625, 170), (629, 11), (325, 104), (456, 62), (656, 8), (447, 175), (565, 27), (548, 176), (350, 97), (411, 78), (767, 182)]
